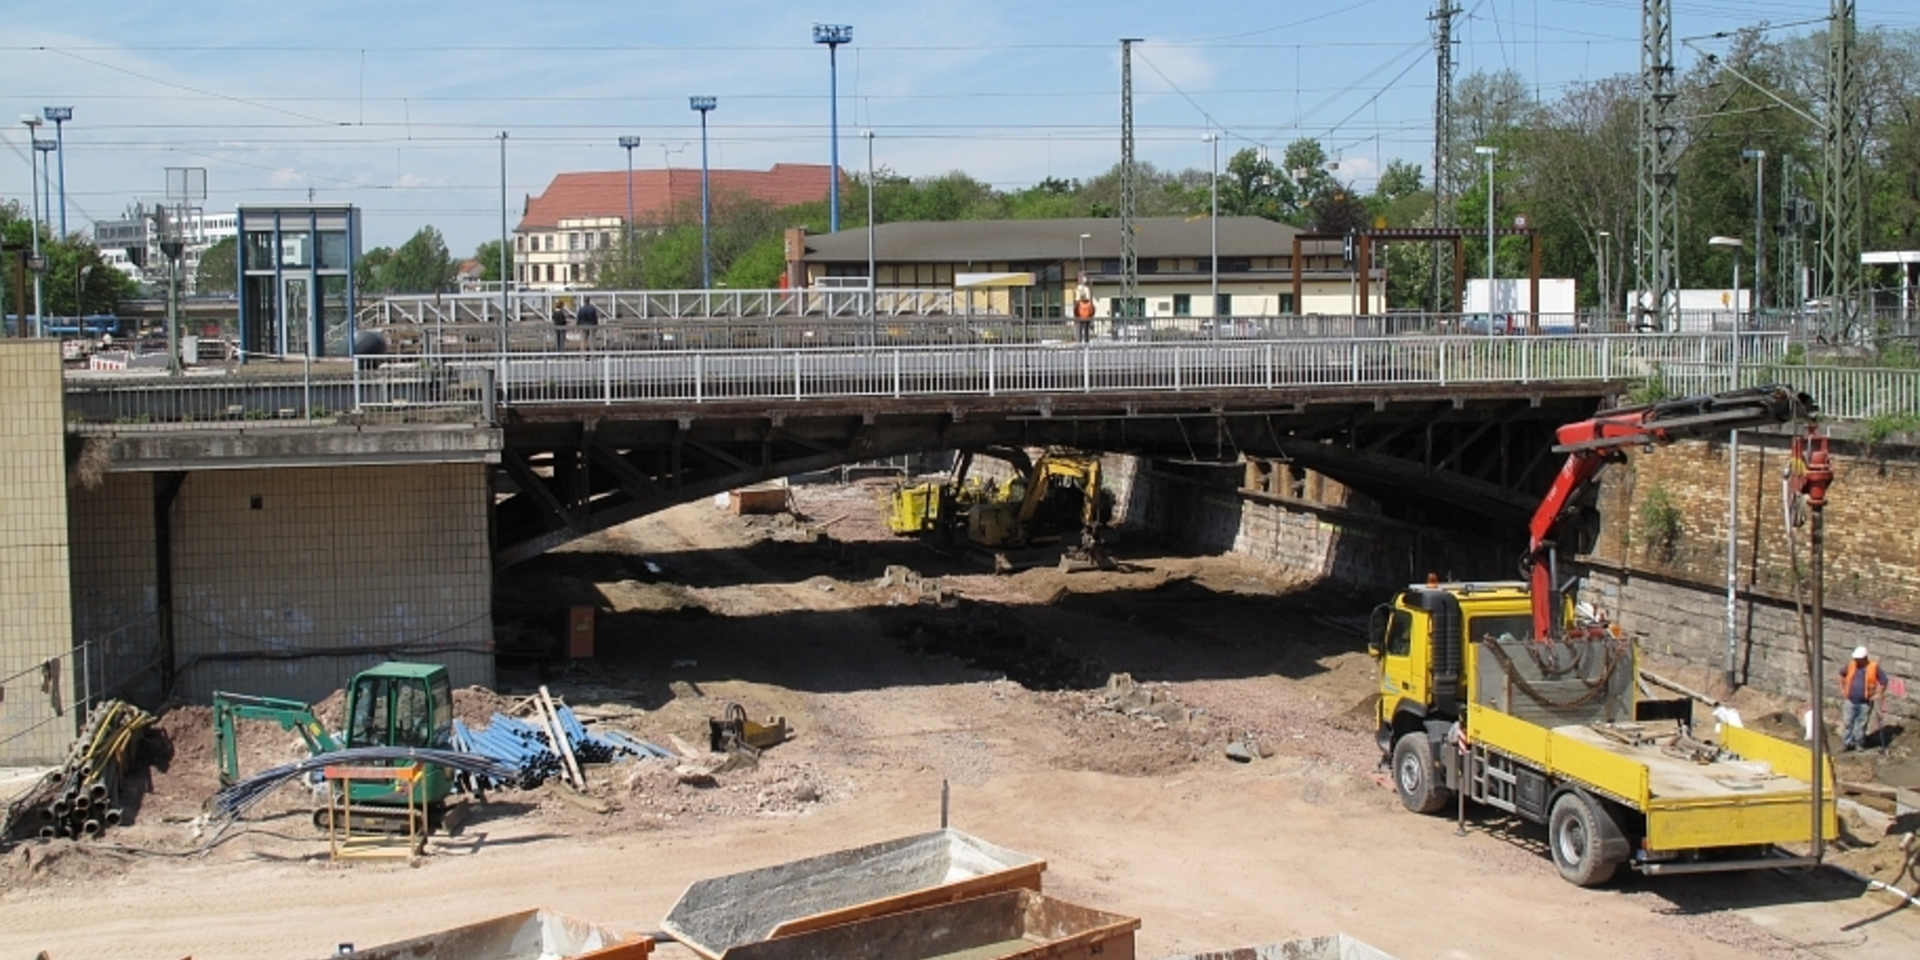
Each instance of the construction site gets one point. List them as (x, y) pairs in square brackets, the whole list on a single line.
[(772, 705)]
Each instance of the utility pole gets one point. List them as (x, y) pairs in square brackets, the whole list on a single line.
[(1841, 193), (1442, 17), (1129, 254), (1656, 265)]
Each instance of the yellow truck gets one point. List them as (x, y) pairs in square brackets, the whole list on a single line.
[(1497, 693)]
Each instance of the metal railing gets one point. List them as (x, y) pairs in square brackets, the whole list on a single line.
[(469, 388), (295, 393), (1013, 369), (620, 305)]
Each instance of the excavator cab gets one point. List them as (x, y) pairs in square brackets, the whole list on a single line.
[(400, 705)]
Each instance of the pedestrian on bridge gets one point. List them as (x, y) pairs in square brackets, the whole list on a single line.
[(1082, 310), (587, 317), (559, 324)]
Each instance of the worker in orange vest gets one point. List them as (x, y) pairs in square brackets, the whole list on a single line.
[(1861, 683)]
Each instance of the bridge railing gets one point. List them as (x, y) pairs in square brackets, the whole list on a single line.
[(290, 394), (615, 306), (1842, 392), (1002, 369), (469, 389)]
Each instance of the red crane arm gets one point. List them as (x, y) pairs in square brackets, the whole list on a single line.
[(1593, 443)]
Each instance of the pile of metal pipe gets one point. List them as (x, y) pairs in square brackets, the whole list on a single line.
[(82, 798), (528, 749)]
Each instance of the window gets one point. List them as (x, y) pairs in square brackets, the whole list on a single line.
[(1245, 265), (1286, 306), (1511, 627), (1399, 634), (1149, 265), (573, 241), (1223, 307), (549, 247), (606, 240), (1183, 307), (520, 246), (549, 266)]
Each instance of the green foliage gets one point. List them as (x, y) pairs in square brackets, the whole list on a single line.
[(77, 280), (1878, 429), (758, 267), (218, 272), (488, 256), (1657, 525), (1400, 179), (1653, 389), (421, 265)]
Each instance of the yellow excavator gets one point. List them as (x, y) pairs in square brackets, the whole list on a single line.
[(1020, 521)]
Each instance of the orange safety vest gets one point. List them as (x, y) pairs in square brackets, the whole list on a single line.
[(1873, 678)]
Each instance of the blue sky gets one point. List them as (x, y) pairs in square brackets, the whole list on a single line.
[(397, 106)]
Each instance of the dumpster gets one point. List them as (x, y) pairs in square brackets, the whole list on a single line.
[(847, 885), (1015, 925), (527, 935), (1338, 946)]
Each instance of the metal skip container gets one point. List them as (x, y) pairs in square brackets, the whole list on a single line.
[(857, 884), (1338, 946), (527, 935), (1015, 925)]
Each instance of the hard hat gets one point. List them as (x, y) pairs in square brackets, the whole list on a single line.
[(1860, 653)]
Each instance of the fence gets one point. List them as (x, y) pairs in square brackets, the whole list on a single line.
[(468, 388)]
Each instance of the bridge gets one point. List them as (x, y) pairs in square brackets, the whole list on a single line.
[(1449, 430)]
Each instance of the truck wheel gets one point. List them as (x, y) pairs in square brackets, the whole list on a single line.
[(1575, 833), (1413, 774)]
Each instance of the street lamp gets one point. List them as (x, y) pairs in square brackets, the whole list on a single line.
[(1606, 240), (1213, 305), (1735, 244), (705, 106), (504, 285), (833, 35), (33, 173), (1489, 153), (627, 143), (1759, 158), (873, 284), (1733, 473), (79, 289), (59, 116)]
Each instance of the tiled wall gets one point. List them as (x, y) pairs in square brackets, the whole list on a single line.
[(271, 567), (115, 599), (37, 709)]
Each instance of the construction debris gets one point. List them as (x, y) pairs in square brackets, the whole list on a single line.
[(82, 797)]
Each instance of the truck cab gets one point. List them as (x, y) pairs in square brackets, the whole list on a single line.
[(1422, 640)]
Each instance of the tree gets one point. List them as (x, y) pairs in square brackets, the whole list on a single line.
[(218, 272), (488, 256), (1400, 179), (370, 272), (421, 265)]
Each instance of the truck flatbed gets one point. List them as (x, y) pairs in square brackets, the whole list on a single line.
[(1680, 778)]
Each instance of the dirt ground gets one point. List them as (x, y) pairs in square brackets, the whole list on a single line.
[(1080, 718)]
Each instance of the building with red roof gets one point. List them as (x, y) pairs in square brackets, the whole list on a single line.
[(580, 215)]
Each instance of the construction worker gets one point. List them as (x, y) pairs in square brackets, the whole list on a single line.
[(1082, 310), (1860, 684)]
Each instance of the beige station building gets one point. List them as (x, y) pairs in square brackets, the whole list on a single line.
[(1029, 268)]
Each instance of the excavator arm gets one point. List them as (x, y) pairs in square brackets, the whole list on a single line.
[(1593, 443), (289, 714)]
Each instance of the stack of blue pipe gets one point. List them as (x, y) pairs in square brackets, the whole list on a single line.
[(526, 748)]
